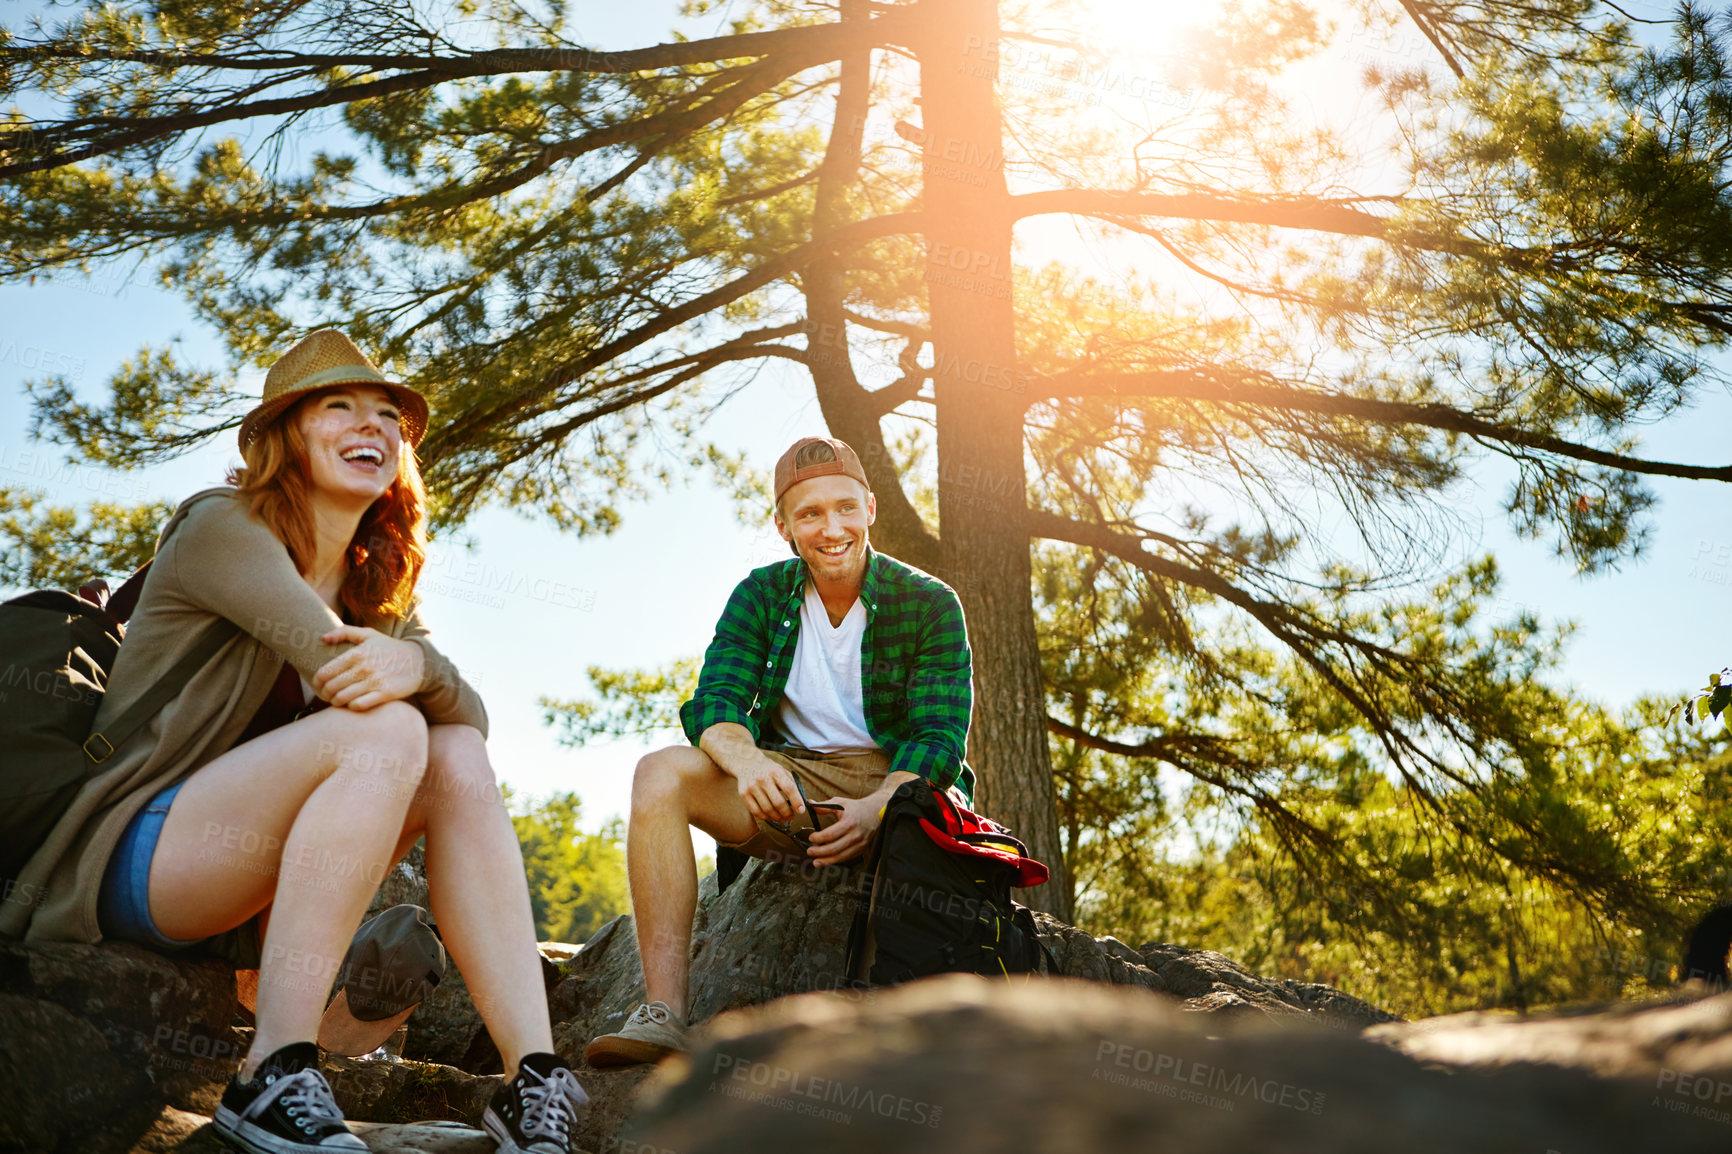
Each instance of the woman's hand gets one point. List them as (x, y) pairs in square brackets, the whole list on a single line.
[(377, 670)]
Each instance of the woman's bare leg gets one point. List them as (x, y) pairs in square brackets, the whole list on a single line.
[(479, 892), (304, 819)]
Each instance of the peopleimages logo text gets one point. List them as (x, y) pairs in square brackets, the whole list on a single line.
[(781, 1080), (1172, 1068)]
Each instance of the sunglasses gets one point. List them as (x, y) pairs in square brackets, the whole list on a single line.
[(802, 832)]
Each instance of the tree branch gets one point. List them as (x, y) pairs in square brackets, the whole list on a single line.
[(1301, 633), (461, 429), (1205, 758), (756, 338), (1162, 748), (752, 82), (895, 328), (899, 392), (765, 193), (796, 48), (849, 411), (1317, 215), (693, 366), (1201, 386), (142, 129), (1424, 26), (833, 38)]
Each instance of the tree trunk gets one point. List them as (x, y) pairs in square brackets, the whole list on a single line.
[(981, 497), (849, 409)]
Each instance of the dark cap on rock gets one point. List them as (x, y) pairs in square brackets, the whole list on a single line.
[(817, 457), (395, 960)]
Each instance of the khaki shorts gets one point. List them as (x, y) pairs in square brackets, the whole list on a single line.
[(822, 776)]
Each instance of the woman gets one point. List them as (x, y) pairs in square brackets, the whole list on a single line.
[(238, 798)]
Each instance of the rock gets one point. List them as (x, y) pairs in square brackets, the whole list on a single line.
[(1076, 954), (613, 1099), (181, 1132), (596, 981), (136, 1033), (66, 1089), (406, 1091), (958, 1065), (100, 1038), (1661, 1042), (446, 1025), (775, 931), (446, 1028), (406, 884), (1202, 980), (1330, 1007), (176, 1132), (780, 930), (428, 1138), (1209, 981)]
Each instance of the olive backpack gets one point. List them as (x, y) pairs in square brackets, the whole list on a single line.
[(56, 652)]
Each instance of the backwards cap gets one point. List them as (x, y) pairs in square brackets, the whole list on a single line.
[(816, 457)]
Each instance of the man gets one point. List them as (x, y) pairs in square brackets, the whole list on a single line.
[(840, 667)]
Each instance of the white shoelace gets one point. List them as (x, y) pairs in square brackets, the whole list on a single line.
[(305, 1093), (549, 1109), (651, 1012)]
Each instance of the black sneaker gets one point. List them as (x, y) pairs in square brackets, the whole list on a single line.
[(536, 1111), (287, 1108)]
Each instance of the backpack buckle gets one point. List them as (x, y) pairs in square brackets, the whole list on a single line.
[(104, 755)]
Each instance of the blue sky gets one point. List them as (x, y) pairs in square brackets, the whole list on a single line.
[(527, 609)]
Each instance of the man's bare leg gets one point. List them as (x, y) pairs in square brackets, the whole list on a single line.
[(674, 788)]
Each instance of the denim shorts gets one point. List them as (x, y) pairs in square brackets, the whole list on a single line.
[(123, 907)]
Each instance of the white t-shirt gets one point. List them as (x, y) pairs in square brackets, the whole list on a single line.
[(822, 707)]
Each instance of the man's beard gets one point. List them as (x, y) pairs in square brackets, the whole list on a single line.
[(853, 561)]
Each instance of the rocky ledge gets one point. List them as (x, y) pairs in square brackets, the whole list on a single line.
[(954, 1064), (779, 931), (115, 1048)]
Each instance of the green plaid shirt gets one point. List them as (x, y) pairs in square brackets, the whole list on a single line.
[(914, 665)]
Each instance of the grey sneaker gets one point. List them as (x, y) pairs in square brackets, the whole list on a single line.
[(650, 1034)]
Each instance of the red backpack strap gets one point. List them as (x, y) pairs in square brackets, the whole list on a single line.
[(966, 833), (124, 600)]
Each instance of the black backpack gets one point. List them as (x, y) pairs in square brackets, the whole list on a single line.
[(56, 651), (940, 895)]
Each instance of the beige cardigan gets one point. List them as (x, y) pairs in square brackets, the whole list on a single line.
[(213, 560)]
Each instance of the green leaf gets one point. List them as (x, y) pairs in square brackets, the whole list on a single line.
[(1720, 699)]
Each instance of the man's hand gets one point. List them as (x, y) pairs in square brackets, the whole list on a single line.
[(847, 837), (768, 790), (377, 670)]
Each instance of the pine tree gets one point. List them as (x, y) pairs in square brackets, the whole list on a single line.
[(568, 248)]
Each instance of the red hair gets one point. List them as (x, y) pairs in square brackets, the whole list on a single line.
[(390, 544)]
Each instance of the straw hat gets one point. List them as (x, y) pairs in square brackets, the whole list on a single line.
[(318, 361)]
